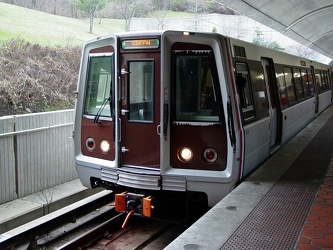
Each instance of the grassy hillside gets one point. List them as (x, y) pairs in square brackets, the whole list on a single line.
[(47, 29)]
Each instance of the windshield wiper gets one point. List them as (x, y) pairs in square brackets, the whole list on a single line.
[(99, 112)]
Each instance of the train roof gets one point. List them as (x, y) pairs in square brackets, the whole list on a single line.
[(252, 51), (256, 52)]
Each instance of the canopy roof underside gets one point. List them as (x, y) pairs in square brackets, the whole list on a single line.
[(309, 22)]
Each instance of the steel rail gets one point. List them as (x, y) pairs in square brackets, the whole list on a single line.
[(30, 230), (94, 234)]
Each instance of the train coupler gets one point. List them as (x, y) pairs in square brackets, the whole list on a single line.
[(134, 203)]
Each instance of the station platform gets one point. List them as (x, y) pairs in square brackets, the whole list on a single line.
[(20, 211), (286, 204)]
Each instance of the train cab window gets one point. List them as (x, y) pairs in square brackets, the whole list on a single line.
[(98, 90), (244, 90), (289, 84), (298, 84), (196, 86), (141, 93)]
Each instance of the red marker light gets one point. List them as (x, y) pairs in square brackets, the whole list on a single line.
[(90, 144), (210, 155)]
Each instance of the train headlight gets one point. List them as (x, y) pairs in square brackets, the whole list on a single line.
[(210, 155), (105, 146), (90, 144), (185, 154)]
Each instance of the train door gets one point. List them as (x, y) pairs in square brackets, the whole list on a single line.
[(275, 108), (139, 110)]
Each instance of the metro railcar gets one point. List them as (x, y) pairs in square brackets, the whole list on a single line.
[(173, 117)]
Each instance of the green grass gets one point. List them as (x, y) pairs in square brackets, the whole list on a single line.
[(47, 29)]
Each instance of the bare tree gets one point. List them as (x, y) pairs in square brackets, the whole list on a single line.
[(33, 4), (302, 51), (90, 6), (161, 16), (54, 7), (127, 9)]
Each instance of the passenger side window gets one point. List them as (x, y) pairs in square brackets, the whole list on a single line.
[(244, 91)]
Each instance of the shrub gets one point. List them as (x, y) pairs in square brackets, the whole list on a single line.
[(35, 78)]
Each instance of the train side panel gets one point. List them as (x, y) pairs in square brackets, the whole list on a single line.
[(324, 99), (296, 118), (292, 101)]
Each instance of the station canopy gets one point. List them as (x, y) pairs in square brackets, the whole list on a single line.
[(309, 22)]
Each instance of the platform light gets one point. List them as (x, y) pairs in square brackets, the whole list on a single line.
[(105, 146), (90, 144), (185, 154)]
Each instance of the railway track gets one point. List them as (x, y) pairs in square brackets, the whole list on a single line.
[(92, 224), (140, 233), (57, 224)]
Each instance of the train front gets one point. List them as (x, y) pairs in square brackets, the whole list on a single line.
[(154, 121)]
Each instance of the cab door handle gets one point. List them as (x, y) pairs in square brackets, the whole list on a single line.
[(158, 129), (124, 111)]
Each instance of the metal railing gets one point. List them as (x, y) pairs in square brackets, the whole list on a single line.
[(36, 153)]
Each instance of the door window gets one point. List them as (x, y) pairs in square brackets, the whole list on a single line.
[(319, 82), (244, 90), (298, 84), (288, 76), (141, 91), (307, 83)]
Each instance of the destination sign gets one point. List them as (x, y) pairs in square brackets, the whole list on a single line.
[(140, 44)]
